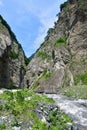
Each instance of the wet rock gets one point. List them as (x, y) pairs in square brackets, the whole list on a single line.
[(43, 110), (74, 128)]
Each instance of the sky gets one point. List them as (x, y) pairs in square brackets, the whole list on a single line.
[(30, 20)]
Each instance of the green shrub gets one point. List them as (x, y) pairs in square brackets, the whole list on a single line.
[(1, 107), (15, 112), (13, 55), (19, 97), (64, 5), (60, 41), (7, 106), (2, 126), (59, 120), (51, 30), (38, 125), (15, 123), (9, 95), (46, 74), (81, 78)]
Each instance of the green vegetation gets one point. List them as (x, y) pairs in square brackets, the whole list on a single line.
[(64, 6), (81, 78), (40, 126), (13, 55), (43, 76), (60, 41), (46, 74), (23, 68), (27, 60), (21, 105), (14, 123), (35, 85), (59, 120), (51, 30), (79, 91), (43, 55), (2, 126), (19, 46), (81, 4)]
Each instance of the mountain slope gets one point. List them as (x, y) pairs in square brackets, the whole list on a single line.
[(62, 59)]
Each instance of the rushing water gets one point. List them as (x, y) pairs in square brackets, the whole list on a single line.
[(75, 108)]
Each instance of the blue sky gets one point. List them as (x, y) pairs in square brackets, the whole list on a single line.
[(30, 20)]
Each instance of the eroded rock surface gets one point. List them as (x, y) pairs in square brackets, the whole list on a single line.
[(12, 63), (62, 59)]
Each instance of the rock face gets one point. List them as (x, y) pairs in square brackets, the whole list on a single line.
[(12, 63), (62, 59)]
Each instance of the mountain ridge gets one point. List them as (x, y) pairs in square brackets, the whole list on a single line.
[(57, 62)]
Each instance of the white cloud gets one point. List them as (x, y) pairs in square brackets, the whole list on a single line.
[(1, 3), (46, 16), (47, 19)]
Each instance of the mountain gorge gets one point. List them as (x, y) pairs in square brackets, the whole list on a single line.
[(61, 59), (36, 93)]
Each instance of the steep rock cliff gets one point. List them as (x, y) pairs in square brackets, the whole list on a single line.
[(62, 59), (12, 63)]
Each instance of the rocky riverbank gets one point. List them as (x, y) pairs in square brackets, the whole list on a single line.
[(75, 108)]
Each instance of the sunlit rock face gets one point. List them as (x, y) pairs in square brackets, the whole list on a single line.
[(62, 58), (11, 58)]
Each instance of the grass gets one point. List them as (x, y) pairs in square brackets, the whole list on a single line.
[(46, 74), (60, 41), (81, 78), (60, 120), (20, 110), (2, 126), (79, 91), (13, 55)]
